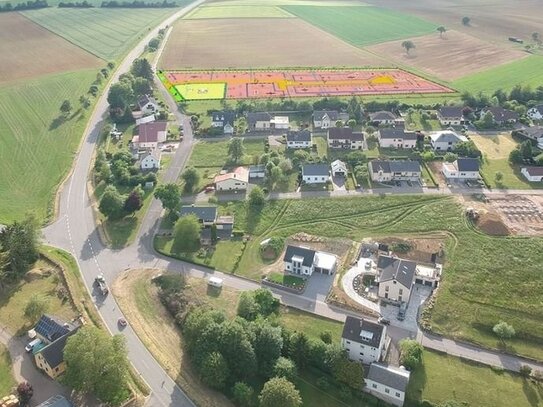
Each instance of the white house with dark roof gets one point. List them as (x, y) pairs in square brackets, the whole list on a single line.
[(224, 120), (451, 116), (304, 261), (259, 121), (535, 113), (206, 215), (147, 104), (387, 383), (462, 169), (315, 173), (446, 140), (396, 138), (345, 138), (363, 340), (151, 160), (339, 168), (396, 278), (382, 118), (324, 119), (394, 170), (533, 174), (533, 132), (299, 139), (501, 116)]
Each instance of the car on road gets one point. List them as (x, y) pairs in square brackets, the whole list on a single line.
[(402, 311), (100, 282), (383, 321), (209, 189), (122, 322), (31, 344)]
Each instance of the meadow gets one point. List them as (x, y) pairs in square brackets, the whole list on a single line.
[(238, 12), (6, 377), (106, 33), (363, 25)]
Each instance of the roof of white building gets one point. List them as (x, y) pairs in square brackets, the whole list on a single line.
[(324, 260), (396, 378)]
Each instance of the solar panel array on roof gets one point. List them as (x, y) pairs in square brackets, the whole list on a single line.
[(50, 328)]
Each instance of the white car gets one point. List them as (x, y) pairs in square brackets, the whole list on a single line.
[(31, 345)]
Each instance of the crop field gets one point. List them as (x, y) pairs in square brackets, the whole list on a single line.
[(22, 49), (37, 145), (106, 33), (257, 43), (363, 25), (238, 12), (433, 54)]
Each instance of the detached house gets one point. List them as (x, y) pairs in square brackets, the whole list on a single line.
[(345, 138), (398, 170), (533, 174), (150, 135), (304, 261), (462, 168), (396, 278), (224, 120), (207, 215), (259, 121), (339, 168), (533, 133), (501, 116), (396, 138), (151, 160), (147, 105), (446, 140), (237, 180), (315, 173), (363, 340), (299, 139), (451, 116), (535, 113), (324, 119), (387, 383), (382, 118)]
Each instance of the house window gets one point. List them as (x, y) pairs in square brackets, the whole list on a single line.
[(397, 394), (399, 298), (374, 385), (348, 342), (386, 288), (361, 353), (387, 390), (401, 291)]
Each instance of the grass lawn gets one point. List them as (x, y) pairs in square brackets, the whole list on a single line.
[(286, 280), (312, 325), (363, 25), (512, 177), (444, 377), (105, 32), (37, 146), (414, 122), (215, 153), (527, 71), (427, 176), (238, 12), (6, 376)]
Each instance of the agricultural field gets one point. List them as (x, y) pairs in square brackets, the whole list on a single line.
[(23, 45), (237, 12), (239, 43), (364, 25), (106, 33), (444, 377), (433, 54)]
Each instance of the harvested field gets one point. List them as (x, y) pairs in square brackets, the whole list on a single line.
[(243, 43), (27, 50), (238, 12), (434, 54), (495, 147)]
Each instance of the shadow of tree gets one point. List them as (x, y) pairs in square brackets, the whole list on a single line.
[(57, 122)]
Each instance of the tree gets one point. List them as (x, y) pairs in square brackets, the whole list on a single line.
[(428, 156), (275, 176), (466, 21), (467, 149), (525, 370), (120, 95), (299, 349), (285, 368), (237, 350), (354, 110), (267, 304), (498, 177), (285, 165), (141, 68), (503, 331), (279, 392), (97, 362), (36, 306), (515, 156), (408, 46), (214, 370), (349, 372), (191, 178), (66, 107), (326, 337), (236, 149), (153, 44), (169, 195), (24, 393), (242, 394), (351, 123), (256, 197), (339, 123), (84, 101), (410, 353), (141, 86), (112, 203), (247, 306), (187, 234), (450, 157), (19, 242), (267, 344), (526, 149), (134, 200), (487, 120), (441, 31)]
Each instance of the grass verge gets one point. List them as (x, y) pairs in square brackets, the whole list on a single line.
[(6, 376)]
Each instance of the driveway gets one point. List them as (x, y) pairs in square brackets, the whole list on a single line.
[(339, 183), (318, 286), (418, 296)]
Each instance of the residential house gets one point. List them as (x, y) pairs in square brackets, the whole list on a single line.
[(396, 138), (363, 340), (257, 171), (147, 105), (207, 215), (462, 169), (451, 116), (387, 383), (533, 133), (535, 113), (345, 138), (397, 170), (223, 230), (280, 123), (299, 139), (533, 174), (339, 168), (151, 160), (150, 135), (56, 401), (446, 140), (224, 120), (315, 173), (259, 121), (501, 116), (382, 118), (324, 119), (237, 180), (396, 278), (304, 261)]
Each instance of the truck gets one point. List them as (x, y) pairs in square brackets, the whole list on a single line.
[(100, 282), (215, 282)]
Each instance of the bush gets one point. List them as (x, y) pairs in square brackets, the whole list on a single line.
[(345, 393), (525, 371), (323, 383)]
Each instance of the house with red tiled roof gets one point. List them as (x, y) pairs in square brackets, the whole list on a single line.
[(237, 180), (150, 135)]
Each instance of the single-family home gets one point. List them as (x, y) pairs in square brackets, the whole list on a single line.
[(535, 113), (392, 137), (224, 120), (237, 180), (258, 121), (207, 215), (387, 383), (151, 160), (56, 401), (315, 173), (363, 340), (532, 174), (324, 119), (304, 261), (501, 116), (462, 169), (446, 140), (394, 170), (345, 138), (339, 168), (257, 171), (150, 135), (451, 116), (533, 132), (147, 105), (299, 139), (396, 278), (382, 118), (280, 122)]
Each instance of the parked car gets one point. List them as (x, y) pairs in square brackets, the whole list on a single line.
[(209, 189), (383, 321), (402, 311), (122, 322), (31, 344)]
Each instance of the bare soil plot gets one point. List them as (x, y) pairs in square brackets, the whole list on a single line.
[(496, 146), (258, 43), (453, 56), (29, 50)]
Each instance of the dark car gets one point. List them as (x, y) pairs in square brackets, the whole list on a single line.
[(383, 321), (402, 311)]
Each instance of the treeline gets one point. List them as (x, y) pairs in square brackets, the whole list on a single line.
[(137, 4), (84, 4), (29, 5), (519, 95)]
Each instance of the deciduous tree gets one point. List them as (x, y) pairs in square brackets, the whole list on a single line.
[(503, 331), (19, 243), (236, 149), (408, 46), (134, 200), (35, 307), (142, 68), (410, 353), (187, 235), (242, 394), (466, 21), (66, 107), (214, 370), (279, 392), (256, 196), (285, 368), (191, 178), (120, 95), (111, 203), (441, 30), (24, 393), (169, 195)]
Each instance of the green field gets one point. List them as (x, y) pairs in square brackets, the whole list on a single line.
[(238, 12), (527, 71), (106, 33), (6, 377), (444, 377), (363, 25), (36, 147)]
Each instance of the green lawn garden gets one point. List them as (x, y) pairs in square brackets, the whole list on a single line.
[(6, 377)]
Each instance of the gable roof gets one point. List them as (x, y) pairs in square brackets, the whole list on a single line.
[(298, 136), (533, 132), (500, 114), (204, 213), (391, 166), (257, 168), (389, 376), (148, 132), (353, 327), (344, 133), (393, 268), (146, 99), (254, 117), (534, 171), (451, 111), (338, 165), (318, 115), (382, 115), (396, 133), (239, 173), (538, 108), (467, 164), (307, 254), (447, 136), (154, 153), (226, 116), (54, 352), (315, 170), (56, 401), (51, 328)]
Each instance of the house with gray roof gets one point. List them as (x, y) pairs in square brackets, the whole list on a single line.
[(324, 119), (393, 137), (451, 116), (533, 133), (382, 118), (396, 278), (259, 121), (462, 169), (224, 120), (345, 138), (207, 215), (315, 173), (364, 341), (299, 139), (304, 261), (446, 140), (56, 401), (387, 383), (501, 116), (394, 170)]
